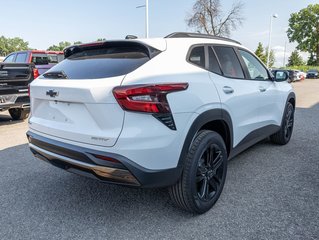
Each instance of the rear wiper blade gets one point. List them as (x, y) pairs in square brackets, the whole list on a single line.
[(55, 75)]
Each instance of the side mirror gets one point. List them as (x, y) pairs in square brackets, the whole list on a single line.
[(281, 76)]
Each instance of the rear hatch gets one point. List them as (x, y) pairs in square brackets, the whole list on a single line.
[(74, 99), (15, 77)]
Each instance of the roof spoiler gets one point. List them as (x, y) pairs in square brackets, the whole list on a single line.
[(139, 46)]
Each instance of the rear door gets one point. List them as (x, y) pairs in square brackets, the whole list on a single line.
[(74, 99), (239, 96)]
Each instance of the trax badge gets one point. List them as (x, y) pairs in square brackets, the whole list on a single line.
[(52, 93)]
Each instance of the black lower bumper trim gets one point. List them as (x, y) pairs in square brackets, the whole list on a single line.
[(83, 161)]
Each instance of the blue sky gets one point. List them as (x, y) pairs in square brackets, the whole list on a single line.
[(46, 22)]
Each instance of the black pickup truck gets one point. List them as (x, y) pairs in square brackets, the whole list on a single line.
[(14, 81)]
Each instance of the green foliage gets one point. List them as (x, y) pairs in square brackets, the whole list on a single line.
[(8, 45), (260, 52), (304, 29), (303, 68), (272, 58), (311, 60), (59, 47), (295, 59)]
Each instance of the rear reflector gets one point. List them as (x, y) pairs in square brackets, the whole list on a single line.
[(109, 159), (147, 98)]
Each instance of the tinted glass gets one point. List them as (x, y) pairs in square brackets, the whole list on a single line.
[(256, 70), (229, 62), (101, 63), (21, 58), (213, 63), (10, 58), (197, 56), (40, 59)]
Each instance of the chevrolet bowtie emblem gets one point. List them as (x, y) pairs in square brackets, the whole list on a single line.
[(52, 93)]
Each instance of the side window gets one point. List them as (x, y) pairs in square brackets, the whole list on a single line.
[(213, 65), (256, 70), (21, 58), (10, 58), (229, 62), (197, 56)]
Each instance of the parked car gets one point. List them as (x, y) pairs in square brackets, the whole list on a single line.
[(301, 75), (313, 73), (14, 80), (158, 113), (43, 60), (293, 75)]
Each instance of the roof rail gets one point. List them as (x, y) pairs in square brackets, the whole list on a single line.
[(199, 35)]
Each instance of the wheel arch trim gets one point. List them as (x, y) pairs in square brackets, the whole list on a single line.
[(200, 121)]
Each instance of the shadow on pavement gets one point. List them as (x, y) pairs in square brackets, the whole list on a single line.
[(271, 192), (5, 119)]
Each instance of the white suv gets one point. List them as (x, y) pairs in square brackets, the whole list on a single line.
[(163, 112)]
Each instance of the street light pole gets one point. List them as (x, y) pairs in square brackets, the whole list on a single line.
[(269, 41), (146, 18), (284, 65)]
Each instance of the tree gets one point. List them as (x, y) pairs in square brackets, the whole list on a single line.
[(207, 16), (8, 45), (260, 53), (304, 29), (272, 58), (295, 59), (101, 39), (59, 47)]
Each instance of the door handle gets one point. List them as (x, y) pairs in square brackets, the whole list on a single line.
[(262, 89), (228, 90)]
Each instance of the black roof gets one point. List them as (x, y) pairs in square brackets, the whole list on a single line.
[(199, 35)]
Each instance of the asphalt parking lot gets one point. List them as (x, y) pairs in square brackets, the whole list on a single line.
[(271, 192)]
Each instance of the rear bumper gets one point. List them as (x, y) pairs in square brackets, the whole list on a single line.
[(20, 100), (88, 162)]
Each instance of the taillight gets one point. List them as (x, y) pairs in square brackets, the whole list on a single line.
[(149, 99), (35, 73)]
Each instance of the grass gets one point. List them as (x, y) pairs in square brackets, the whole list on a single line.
[(302, 68)]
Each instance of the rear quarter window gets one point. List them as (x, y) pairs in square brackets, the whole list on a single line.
[(197, 56), (101, 63)]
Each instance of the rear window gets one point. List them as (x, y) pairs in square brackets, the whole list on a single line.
[(101, 63), (40, 59)]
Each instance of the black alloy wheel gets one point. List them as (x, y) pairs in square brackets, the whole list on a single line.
[(204, 174), (209, 172)]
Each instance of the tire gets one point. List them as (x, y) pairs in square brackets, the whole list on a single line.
[(18, 113), (283, 136), (203, 175)]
